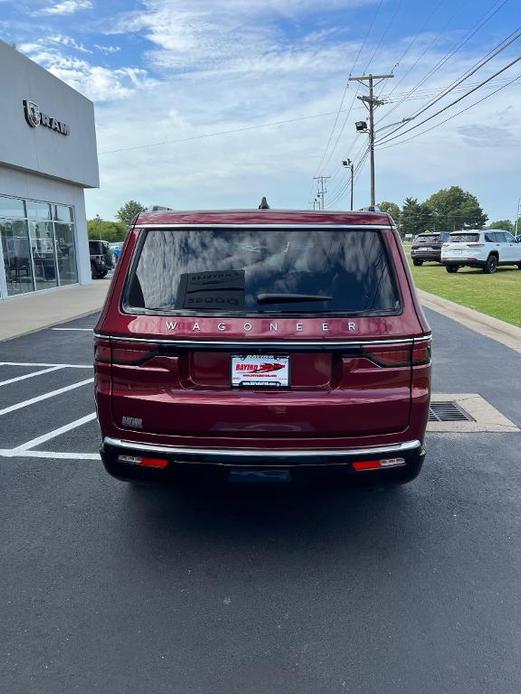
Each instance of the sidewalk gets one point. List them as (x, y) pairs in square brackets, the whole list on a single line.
[(32, 312), (498, 330)]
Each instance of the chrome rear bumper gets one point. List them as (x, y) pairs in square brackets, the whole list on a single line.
[(244, 457)]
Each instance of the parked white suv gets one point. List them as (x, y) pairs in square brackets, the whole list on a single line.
[(486, 248)]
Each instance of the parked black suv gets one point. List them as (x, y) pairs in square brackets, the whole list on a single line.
[(101, 259), (428, 247)]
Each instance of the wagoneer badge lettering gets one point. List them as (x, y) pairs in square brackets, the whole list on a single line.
[(247, 327)]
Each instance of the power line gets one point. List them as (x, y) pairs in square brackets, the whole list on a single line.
[(219, 132), (495, 7), (323, 163), (453, 103), (334, 126), (503, 45), (414, 39), (384, 34), (340, 133), (467, 108)]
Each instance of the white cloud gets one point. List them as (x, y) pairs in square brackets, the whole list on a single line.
[(97, 82), (61, 40), (107, 50), (200, 35), (67, 7)]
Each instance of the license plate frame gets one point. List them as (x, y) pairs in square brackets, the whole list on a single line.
[(260, 371)]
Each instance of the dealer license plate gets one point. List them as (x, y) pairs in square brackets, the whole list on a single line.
[(263, 370)]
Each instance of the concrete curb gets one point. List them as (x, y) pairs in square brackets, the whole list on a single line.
[(498, 330)]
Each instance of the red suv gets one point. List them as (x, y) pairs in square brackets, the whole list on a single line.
[(262, 343)]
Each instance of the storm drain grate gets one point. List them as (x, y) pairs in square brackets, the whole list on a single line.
[(448, 412)]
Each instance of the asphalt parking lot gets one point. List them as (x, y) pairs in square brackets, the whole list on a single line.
[(109, 588)]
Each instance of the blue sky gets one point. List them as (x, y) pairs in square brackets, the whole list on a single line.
[(187, 93)]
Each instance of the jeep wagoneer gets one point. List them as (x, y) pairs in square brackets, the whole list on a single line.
[(262, 343)]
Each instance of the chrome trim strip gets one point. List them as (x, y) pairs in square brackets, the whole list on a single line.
[(261, 344), (270, 453)]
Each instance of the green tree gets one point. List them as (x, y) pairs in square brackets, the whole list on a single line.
[(454, 208), (415, 217), (128, 211), (504, 224), (107, 231), (392, 208)]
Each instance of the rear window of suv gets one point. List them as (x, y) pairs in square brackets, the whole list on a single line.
[(427, 238), (464, 238), (259, 271)]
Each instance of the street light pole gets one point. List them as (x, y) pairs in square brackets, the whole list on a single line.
[(347, 163), (517, 216)]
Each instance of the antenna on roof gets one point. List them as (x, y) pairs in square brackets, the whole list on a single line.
[(264, 204)]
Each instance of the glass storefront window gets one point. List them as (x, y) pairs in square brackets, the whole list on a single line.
[(66, 253), (11, 207), (44, 259), (37, 244), (38, 210), (62, 213), (17, 256)]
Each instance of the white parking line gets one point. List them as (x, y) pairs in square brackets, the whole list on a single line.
[(55, 432), (80, 330), (56, 455), (33, 373), (45, 396), (29, 363)]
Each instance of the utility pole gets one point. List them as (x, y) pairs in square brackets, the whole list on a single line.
[(322, 190), (371, 102), (517, 218), (348, 164)]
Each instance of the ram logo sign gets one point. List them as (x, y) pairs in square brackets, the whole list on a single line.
[(35, 117)]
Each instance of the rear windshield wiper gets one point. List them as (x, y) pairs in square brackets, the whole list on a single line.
[(290, 298)]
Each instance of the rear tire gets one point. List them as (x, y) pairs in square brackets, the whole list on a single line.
[(452, 268), (417, 262), (491, 265)]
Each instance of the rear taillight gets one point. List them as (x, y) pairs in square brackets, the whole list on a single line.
[(126, 353), (421, 353), (133, 353), (143, 461), (102, 351), (389, 356), (393, 356), (362, 465)]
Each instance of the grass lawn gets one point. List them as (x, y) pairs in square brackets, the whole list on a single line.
[(497, 295)]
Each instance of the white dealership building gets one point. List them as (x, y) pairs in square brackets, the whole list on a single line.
[(47, 158)]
